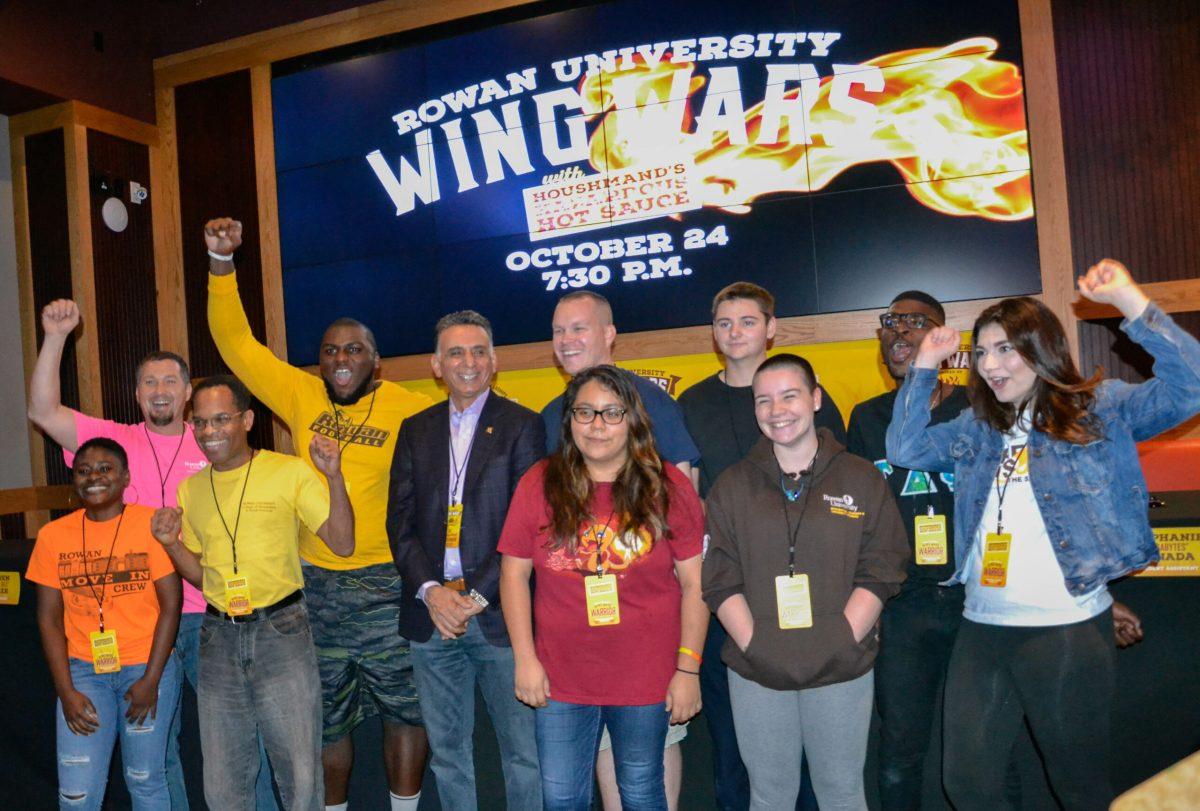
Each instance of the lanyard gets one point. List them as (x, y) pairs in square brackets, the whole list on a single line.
[(790, 497), (162, 479), (599, 547), (457, 470), (238, 522), (104, 582), (1002, 490), (337, 422)]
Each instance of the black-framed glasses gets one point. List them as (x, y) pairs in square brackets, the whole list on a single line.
[(586, 415), (217, 421), (910, 320)]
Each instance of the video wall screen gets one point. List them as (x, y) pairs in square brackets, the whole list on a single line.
[(655, 151)]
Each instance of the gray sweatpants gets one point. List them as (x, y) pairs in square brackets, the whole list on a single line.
[(828, 724)]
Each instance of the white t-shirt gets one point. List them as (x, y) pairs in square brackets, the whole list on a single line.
[(1035, 593)]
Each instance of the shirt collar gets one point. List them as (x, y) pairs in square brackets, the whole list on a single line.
[(473, 410)]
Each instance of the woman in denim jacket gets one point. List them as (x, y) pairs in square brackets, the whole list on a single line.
[(1049, 489)]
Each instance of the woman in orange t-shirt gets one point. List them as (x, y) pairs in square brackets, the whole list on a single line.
[(108, 609)]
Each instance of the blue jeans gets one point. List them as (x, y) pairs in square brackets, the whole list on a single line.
[(257, 678), (446, 672), (568, 738), (83, 759), (187, 648)]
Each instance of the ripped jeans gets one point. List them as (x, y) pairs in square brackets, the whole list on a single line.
[(83, 759)]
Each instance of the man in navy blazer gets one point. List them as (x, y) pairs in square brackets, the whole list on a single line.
[(454, 471)]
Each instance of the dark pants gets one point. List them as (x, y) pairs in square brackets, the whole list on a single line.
[(732, 783), (1060, 678), (916, 638)]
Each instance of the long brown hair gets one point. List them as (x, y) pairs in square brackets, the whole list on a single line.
[(1061, 399), (640, 499)]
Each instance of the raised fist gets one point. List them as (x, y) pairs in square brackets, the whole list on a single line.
[(1108, 282), (1105, 280), (166, 524), (223, 235), (939, 343), (60, 317), (326, 455)]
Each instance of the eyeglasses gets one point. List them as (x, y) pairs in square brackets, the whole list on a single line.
[(218, 422), (586, 415), (910, 320)]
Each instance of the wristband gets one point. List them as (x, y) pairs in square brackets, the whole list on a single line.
[(221, 257), (689, 672), (691, 653)]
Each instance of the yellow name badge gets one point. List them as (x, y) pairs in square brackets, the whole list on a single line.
[(929, 537), (237, 596), (10, 588), (603, 608), (453, 525), (793, 600), (105, 656), (996, 547)]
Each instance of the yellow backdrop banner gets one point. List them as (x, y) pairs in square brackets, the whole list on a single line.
[(849, 371)]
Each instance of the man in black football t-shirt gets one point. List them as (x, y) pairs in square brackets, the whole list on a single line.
[(919, 624)]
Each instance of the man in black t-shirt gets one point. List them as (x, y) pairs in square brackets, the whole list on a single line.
[(719, 414), (719, 410), (919, 624)]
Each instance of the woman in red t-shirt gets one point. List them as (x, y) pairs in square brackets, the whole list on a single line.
[(615, 535)]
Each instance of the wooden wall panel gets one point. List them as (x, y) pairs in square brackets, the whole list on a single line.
[(214, 132), (126, 306), (1132, 143), (1131, 132), (50, 259), (1106, 346)]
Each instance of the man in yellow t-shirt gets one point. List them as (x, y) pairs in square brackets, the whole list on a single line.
[(241, 521), (355, 601)]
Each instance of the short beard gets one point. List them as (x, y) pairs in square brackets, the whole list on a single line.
[(161, 422), (354, 396)]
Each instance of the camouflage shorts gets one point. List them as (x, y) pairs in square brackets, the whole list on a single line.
[(364, 662)]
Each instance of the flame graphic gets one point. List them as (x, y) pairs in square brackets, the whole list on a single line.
[(601, 547), (950, 119)]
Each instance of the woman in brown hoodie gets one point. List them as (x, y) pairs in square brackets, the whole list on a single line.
[(805, 546)]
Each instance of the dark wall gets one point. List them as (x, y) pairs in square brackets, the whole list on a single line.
[(216, 178), (126, 303), (102, 51), (185, 24), (97, 51), (1127, 73), (50, 257)]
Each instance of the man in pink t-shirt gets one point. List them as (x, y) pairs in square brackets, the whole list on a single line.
[(162, 453)]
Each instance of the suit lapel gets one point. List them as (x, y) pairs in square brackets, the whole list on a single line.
[(439, 452)]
